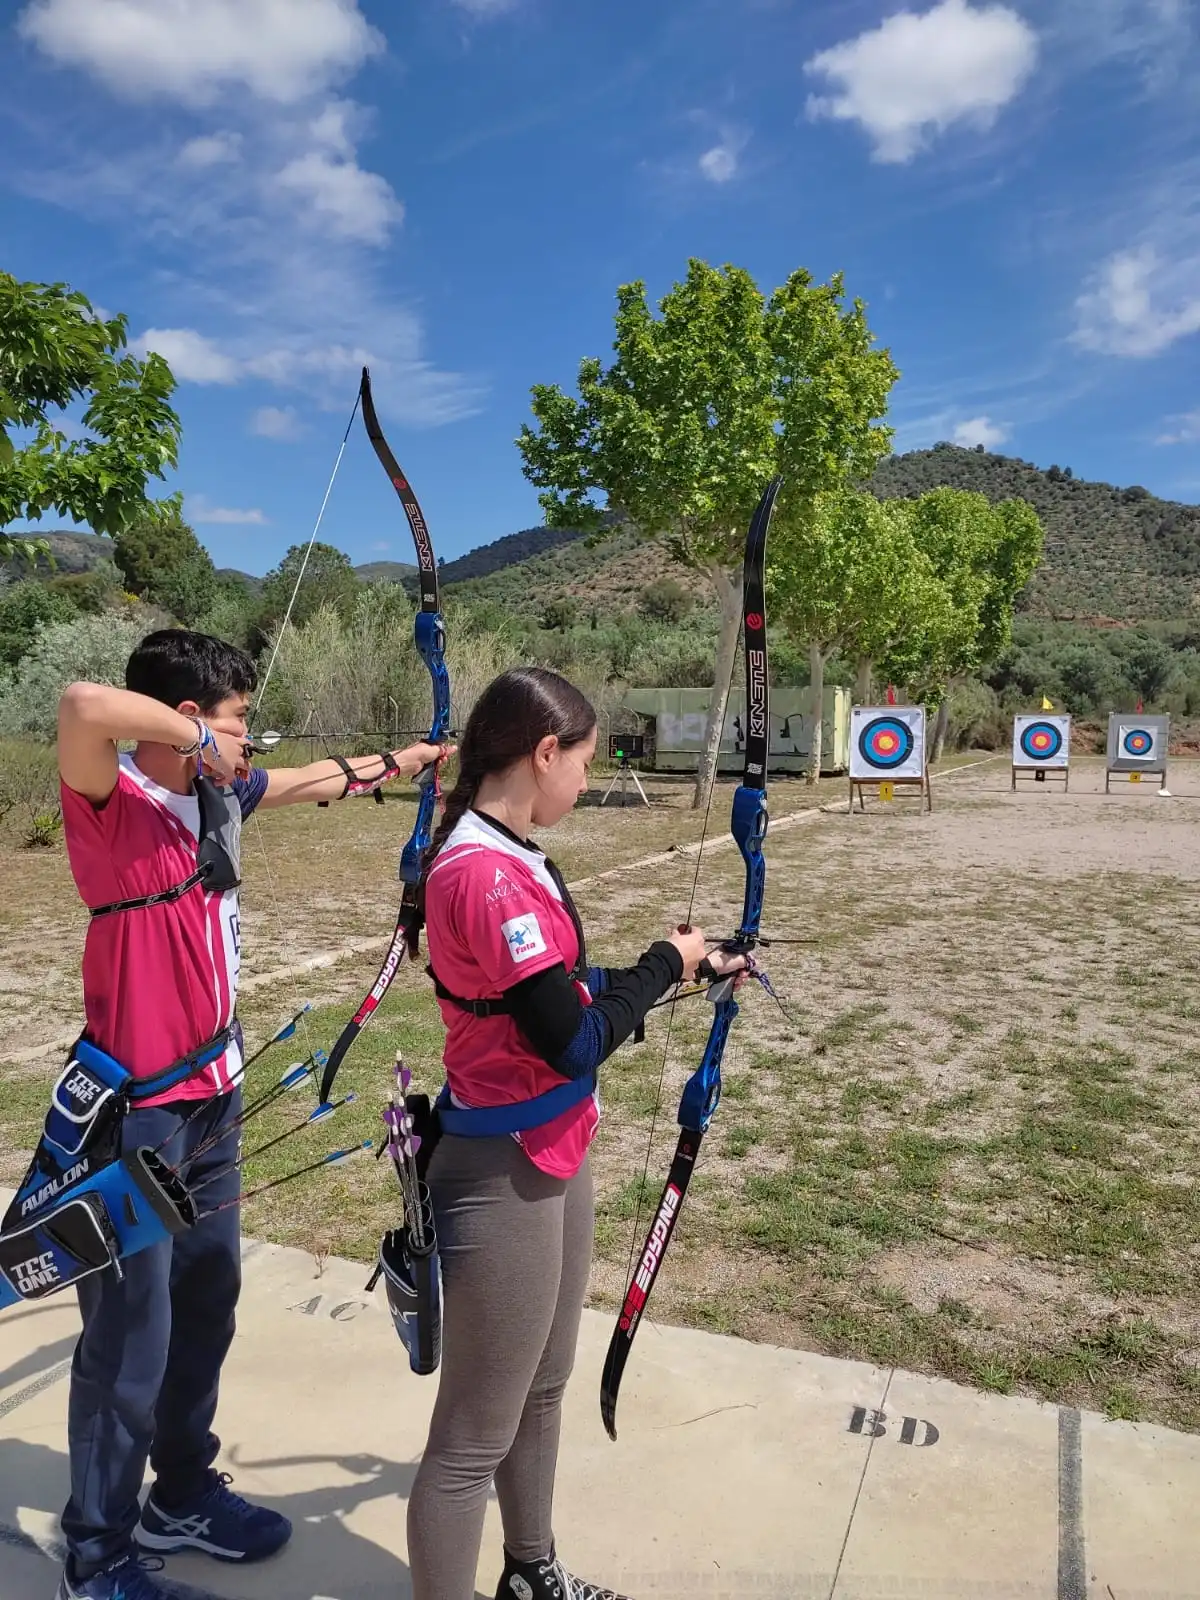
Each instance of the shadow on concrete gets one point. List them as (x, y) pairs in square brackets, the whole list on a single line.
[(323, 1558)]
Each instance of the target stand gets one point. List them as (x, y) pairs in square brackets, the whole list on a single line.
[(887, 753), (891, 788), (625, 749), (1137, 748), (1041, 749)]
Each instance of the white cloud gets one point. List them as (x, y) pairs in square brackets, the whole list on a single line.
[(356, 204), (261, 227), (275, 422), (211, 150), (917, 74), (487, 8), (190, 356), (192, 50), (1186, 429), (1139, 302), (720, 163), (199, 510), (1155, 36), (980, 430)]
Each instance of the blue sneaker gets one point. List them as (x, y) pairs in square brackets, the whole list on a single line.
[(126, 1579), (217, 1522)]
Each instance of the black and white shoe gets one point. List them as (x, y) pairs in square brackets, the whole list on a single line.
[(547, 1579)]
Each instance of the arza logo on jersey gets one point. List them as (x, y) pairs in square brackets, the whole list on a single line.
[(523, 937), (502, 887)]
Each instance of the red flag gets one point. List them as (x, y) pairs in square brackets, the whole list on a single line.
[(891, 696), (1138, 707)]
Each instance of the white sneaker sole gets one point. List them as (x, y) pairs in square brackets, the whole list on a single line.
[(165, 1544)]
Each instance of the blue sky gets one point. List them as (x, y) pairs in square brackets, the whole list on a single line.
[(275, 191)]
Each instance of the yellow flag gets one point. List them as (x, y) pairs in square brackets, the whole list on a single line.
[(1047, 704)]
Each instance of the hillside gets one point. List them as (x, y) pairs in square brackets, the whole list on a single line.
[(1112, 554), (386, 572), (608, 576), (72, 552)]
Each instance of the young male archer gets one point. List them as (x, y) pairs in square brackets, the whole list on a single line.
[(153, 839)]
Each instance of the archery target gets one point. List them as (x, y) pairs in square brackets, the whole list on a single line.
[(1137, 742), (1042, 741), (887, 742)]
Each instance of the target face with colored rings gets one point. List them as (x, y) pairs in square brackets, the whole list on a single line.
[(886, 743), (1041, 741), (1137, 742)]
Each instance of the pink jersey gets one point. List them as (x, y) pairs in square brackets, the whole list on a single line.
[(158, 981), (493, 917)]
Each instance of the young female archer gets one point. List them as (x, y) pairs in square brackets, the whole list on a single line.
[(528, 1023)]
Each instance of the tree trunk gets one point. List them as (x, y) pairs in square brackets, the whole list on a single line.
[(862, 680), (939, 728), (816, 679), (729, 593)]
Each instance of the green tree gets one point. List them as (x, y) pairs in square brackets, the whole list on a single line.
[(329, 580), (702, 405), (664, 600), (162, 561), (95, 648), (24, 608), (55, 350), (559, 615), (1150, 666), (984, 556), (849, 578)]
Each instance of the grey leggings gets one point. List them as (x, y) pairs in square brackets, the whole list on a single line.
[(516, 1250)]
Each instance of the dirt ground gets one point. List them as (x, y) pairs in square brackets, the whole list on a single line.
[(966, 1141)]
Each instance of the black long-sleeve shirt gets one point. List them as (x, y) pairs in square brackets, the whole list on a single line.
[(575, 1038)]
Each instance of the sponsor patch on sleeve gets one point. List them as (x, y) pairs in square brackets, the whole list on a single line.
[(523, 937)]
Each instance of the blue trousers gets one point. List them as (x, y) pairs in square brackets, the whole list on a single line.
[(146, 1369)]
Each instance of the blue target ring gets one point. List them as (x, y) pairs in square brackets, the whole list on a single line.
[(886, 743), (1041, 741), (1137, 742)]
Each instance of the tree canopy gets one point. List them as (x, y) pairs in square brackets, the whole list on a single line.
[(55, 350), (703, 404)]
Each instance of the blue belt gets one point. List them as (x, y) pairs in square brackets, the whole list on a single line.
[(485, 1122)]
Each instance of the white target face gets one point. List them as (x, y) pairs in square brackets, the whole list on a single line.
[(1041, 741), (887, 742), (1137, 742)]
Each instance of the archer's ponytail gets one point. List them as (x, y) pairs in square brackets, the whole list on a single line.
[(510, 719)]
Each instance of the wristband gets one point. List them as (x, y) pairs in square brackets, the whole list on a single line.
[(197, 743), (203, 741)]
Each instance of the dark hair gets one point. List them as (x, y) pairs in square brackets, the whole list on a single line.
[(175, 664), (510, 719)]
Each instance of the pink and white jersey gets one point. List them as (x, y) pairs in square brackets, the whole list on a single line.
[(159, 981), (493, 917)]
